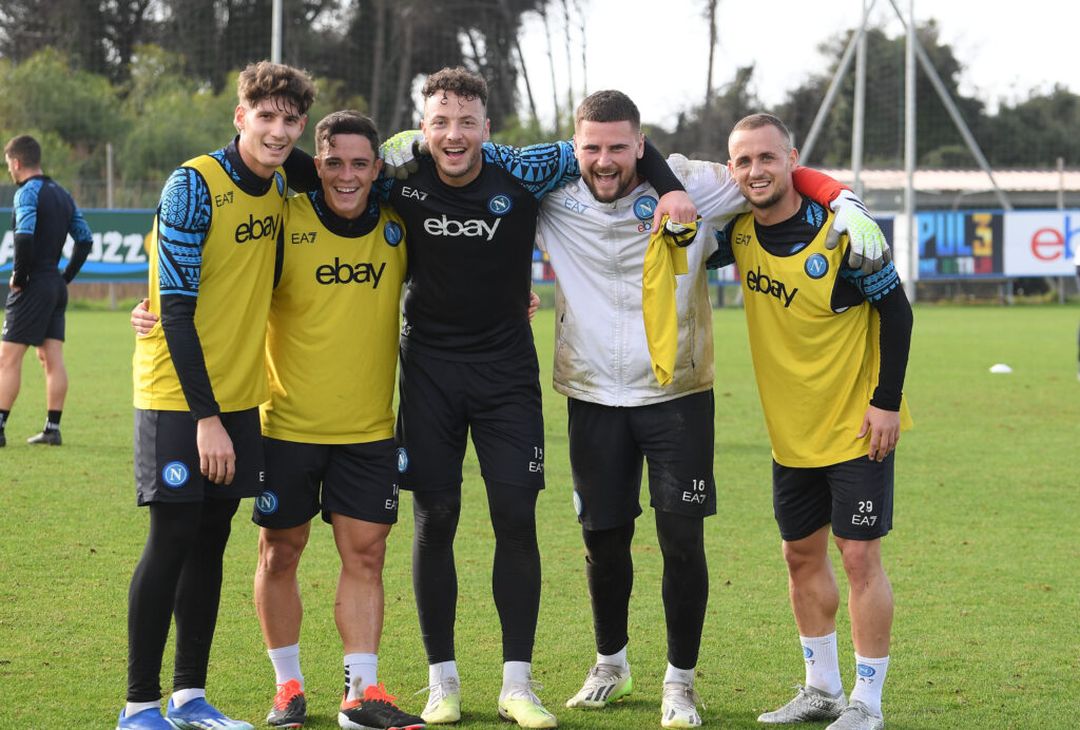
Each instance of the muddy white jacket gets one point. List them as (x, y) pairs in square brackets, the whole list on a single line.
[(597, 251)]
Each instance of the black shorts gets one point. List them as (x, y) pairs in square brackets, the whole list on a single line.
[(167, 457), (354, 480), (36, 312), (608, 445), (441, 401), (856, 496)]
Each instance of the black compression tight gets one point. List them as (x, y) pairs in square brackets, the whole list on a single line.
[(609, 569), (178, 574), (515, 578)]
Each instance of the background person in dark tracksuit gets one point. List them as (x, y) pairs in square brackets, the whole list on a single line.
[(44, 215)]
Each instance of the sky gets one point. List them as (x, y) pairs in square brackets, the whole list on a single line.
[(657, 50)]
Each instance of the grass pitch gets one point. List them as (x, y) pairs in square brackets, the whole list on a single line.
[(983, 558)]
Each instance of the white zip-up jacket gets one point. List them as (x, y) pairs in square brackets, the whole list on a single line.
[(598, 251)]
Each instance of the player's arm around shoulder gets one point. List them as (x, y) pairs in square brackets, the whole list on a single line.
[(711, 187), (539, 168)]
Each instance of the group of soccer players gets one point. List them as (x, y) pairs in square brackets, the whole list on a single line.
[(259, 299)]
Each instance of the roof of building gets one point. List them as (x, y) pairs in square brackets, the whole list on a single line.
[(965, 180)]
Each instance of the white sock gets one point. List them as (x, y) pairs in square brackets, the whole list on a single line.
[(182, 696), (674, 674), (442, 670), (134, 708), (286, 661), (618, 658), (361, 671), (869, 681), (822, 664), (515, 674)]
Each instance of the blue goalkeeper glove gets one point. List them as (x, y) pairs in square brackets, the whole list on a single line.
[(399, 153), (869, 250)]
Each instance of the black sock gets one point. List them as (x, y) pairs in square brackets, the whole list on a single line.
[(52, 421), (3, 419)]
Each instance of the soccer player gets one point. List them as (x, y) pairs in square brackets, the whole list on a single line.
[(329, 423), (200, 376), (44, 215), (830, 347), (468, 363)]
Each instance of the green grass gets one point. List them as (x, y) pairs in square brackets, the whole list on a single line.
[(983, 558)]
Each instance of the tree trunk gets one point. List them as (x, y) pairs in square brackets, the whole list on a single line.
[(570, 106), (404, 77), (584, 65), (551, 65), (378, 63), (705, 143)]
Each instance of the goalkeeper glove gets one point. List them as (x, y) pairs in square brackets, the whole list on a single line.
[(869, 250), (399, 153)]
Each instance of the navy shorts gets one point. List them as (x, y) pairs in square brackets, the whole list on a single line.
[(354, 480), (608, 446), (441, 401), (35, 313), (167, 457), (856, 496)]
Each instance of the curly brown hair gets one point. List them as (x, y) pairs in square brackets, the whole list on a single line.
[(459, 80), (265, 80)]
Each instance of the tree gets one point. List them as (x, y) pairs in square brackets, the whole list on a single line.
[(884, 135), (98, 36), (47, 94), (733, 101), (1035, 132), (424, 37)]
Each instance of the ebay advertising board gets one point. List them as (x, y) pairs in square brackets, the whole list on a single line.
[(1041, 242)]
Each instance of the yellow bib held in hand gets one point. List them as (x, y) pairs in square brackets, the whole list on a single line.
[(664, 260)]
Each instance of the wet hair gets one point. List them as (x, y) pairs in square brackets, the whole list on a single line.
[(459, 80), (347, 121), (265, 80), (608, 106), (25, 149), (757, 121)]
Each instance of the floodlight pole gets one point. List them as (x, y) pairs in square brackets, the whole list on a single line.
[(807, 148), (859, 119), (909, 154), (954, 111), (275, 32)]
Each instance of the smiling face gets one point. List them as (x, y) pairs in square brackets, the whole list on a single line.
[(268, 130), (762, 161), (607, 153), (348, 167), (455, 128)]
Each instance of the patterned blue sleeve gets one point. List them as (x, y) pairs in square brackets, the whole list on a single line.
[(79, 230), (876, 286), (539, 168), (383, 186), (183, 222), (723, 255), (26, 203)]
